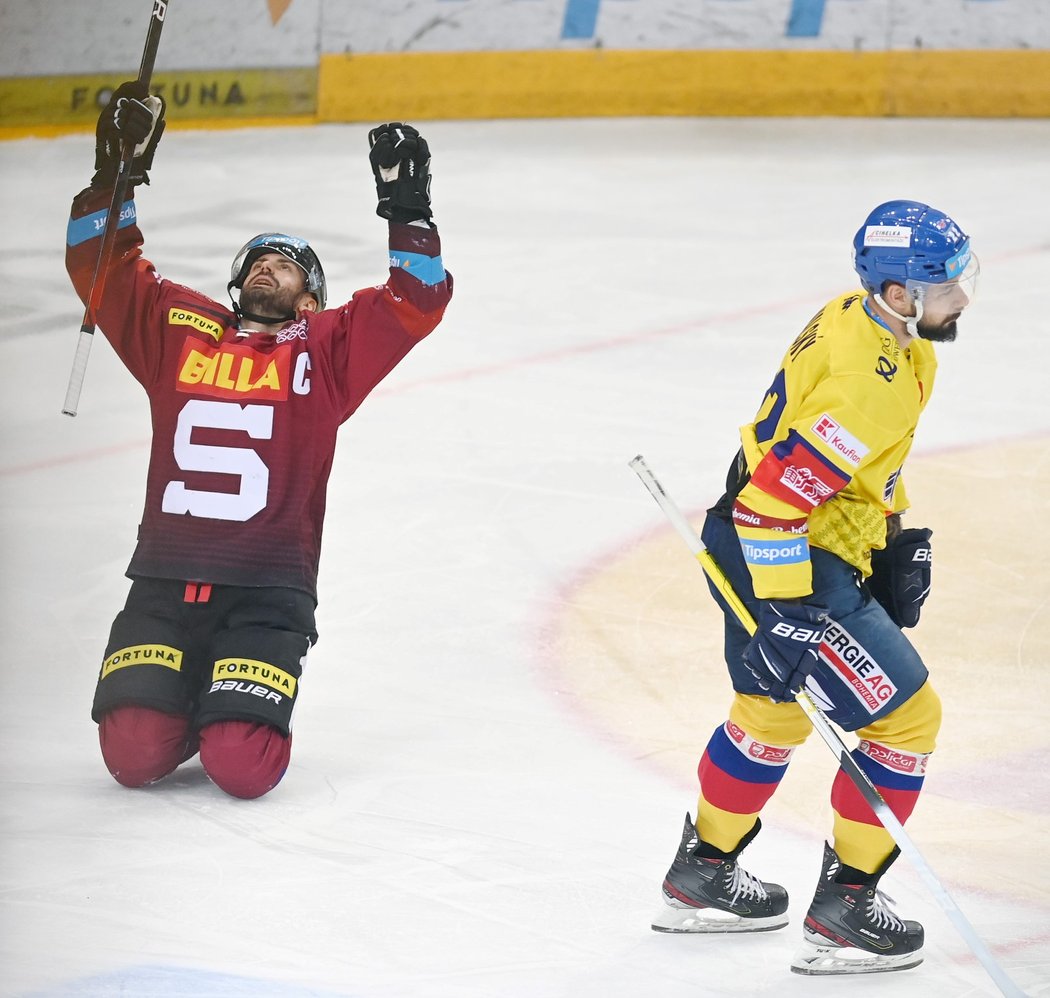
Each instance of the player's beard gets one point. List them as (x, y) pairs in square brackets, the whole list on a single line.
[(270, 302), (944, 331)]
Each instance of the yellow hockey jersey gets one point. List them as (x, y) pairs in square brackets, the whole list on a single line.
[(827, 445)]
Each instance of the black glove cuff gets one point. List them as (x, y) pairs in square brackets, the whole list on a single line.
[(901, 574), (401, 201)]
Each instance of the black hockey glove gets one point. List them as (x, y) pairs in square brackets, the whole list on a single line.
[(132, 115), (400, 161), (900, 575), (783, 651)]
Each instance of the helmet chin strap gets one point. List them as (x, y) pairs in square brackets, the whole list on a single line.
[(911, 322), (269, 320)]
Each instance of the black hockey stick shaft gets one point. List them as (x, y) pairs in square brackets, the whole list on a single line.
[(824, 728), (112, 223)]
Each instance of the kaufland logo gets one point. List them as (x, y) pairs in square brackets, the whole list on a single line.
[(844, 443), (825, 426)]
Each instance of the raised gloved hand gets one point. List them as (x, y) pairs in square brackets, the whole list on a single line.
[(783, 651), (135, 116), (400, 161), (901, 574)]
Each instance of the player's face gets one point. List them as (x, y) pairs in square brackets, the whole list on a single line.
[(943, 304), (273, 286)]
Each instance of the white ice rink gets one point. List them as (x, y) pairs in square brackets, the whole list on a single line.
[(518, 667)]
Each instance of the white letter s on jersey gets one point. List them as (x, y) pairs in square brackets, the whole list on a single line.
[(257, 422)]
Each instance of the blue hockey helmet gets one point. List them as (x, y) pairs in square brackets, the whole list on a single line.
[(295, 249), (912, 244)]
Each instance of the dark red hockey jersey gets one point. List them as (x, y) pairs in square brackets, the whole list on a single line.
[(244, 424)]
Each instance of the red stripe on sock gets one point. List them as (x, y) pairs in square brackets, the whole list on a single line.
[(732, 794), (847, 801)]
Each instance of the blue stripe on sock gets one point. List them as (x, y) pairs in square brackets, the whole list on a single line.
[(888, 778), (723, 752)]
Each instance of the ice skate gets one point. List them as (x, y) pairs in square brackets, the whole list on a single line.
[(849, 929), (703, 894)]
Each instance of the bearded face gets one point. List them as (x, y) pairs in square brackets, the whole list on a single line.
[(273, 288), (261, 298)]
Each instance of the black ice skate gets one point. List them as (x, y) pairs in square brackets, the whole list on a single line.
[(712, 893), (849, 929)]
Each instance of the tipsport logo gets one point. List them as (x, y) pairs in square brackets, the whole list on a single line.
[(785, 552), (267, 240), (954, 266)]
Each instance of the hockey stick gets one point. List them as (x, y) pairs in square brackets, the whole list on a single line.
[(823, 726), (109, 231)]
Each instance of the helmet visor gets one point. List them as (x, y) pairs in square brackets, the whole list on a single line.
[(952, 295)]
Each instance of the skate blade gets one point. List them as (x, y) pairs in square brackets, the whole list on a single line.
[(817, 959), (672, 918)]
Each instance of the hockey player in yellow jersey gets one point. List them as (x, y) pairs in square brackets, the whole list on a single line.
[(808, 533)]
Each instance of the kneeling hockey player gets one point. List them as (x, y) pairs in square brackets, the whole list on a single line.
[(208, 653)]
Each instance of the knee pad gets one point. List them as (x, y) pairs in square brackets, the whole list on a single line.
[(243, 758), (912, 727), (141, 745), (255, 677), (780, 724), (146, 671)]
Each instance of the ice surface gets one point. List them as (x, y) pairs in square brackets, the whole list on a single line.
[(518, 667)]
